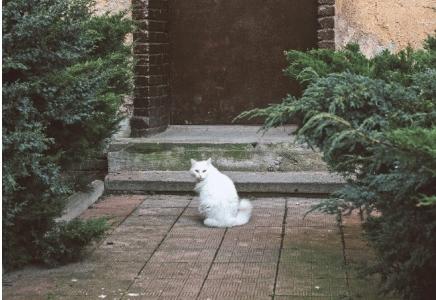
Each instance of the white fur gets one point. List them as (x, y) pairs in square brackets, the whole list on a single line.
[(219, 201)]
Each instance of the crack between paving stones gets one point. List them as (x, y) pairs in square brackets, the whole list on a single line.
[(281, 249), (211, 264), (344, 255), (155, 249), (108, 233)]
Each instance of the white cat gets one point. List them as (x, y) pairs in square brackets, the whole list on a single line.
[(219, 201)]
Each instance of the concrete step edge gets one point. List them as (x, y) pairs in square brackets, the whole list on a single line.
[(246, 182)]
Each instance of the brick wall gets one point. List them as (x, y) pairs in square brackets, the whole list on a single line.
[(151, 93), (326, 22)]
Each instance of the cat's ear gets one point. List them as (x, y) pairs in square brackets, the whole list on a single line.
[(193, 161), (209, 161)]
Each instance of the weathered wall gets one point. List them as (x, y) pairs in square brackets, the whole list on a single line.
[(381, 24), (102, 6)]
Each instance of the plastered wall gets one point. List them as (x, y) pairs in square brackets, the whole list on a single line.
[(381, 24), (102, 6)]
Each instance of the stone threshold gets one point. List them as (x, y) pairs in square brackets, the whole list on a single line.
[(310, 183)]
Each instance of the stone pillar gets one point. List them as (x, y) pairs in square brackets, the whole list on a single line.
[(151, 93), (326, 21)]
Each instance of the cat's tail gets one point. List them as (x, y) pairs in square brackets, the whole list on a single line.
[(244, 213)]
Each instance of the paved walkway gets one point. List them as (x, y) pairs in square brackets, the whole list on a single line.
[(159, 249)]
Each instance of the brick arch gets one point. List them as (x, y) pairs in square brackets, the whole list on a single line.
[(152, 105)]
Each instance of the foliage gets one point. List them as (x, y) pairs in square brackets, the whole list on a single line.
[(65, 242), (65, 72), (374, 119)]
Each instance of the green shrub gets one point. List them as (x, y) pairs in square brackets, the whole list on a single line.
[(65, 72), (65, 242), (375, 122)]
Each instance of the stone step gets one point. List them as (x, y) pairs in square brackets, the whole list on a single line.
[(231, 147), (302, 183)]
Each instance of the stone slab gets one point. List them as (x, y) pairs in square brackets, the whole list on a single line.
[(80, 201), (231, 147), (210, 134), (249, 182)]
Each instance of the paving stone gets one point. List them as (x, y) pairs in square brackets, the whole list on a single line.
[(165, 288), (140, 231), (292, 297), (191, 237), (121, 256), (298, 216), (312, 238), (187, 220), (270, 202), (131, 243), (195, 231), (183, 255), (122, 202), (38, 282), (251, 288), (107, 278), (311, 264), (242, 270), (195, 202), (247, 255), (166, 201), (211, 242), (335, 288), (37, 272), (22, 288), (353, 219), (175, 270), (358, 258), (313, 219), (299, 201), (72, 297), (191, 211), (113, 206), (113, 272), (93, 288), (112, 282), (43, 296), (158, 211), (150, 220), (264, 216), (353, 237), (244, 238)]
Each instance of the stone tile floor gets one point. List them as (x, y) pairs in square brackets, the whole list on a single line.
[(159, 249)]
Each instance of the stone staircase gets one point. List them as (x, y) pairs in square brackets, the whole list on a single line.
[(257, 162)]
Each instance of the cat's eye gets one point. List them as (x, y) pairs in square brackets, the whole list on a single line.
[(204, 171), (197, 171)]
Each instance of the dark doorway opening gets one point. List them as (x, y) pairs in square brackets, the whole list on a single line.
[(226, 56)]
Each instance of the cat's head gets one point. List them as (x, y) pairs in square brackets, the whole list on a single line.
[(200, 169)]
